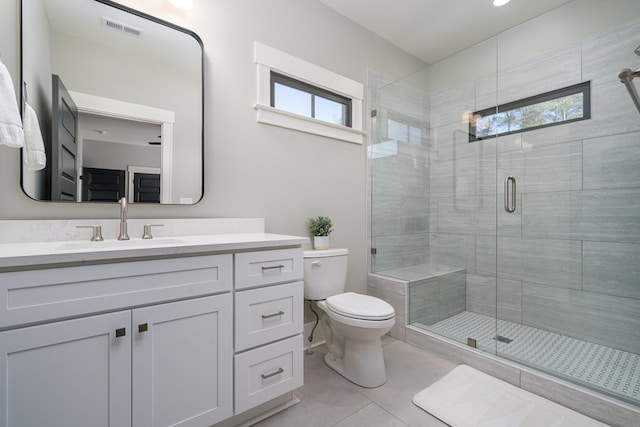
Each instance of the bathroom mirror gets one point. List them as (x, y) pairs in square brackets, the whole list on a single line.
[(119, 99)]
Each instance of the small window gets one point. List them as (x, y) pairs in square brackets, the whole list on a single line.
[(548, 109), (298, 97)]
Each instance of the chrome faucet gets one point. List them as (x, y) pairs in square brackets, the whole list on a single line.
[(123, 219)]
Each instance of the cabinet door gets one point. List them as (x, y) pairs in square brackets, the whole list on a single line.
[(67, 374), (182, 363)]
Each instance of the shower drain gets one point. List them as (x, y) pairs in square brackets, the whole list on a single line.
[(503, 339)]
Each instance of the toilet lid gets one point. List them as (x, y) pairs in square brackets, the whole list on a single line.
[(360, 306)]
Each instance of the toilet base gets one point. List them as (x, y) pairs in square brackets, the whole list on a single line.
[(362, 364)]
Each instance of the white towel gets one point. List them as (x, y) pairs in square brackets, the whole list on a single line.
[(33, 154), (11, 133)]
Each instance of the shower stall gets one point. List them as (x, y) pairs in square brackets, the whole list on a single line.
[(505, 196)]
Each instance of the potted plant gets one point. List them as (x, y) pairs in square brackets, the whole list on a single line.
[(320, 227)]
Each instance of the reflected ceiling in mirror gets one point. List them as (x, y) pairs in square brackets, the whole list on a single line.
[(119, 100)]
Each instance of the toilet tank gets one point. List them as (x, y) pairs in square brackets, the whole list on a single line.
[(325, 273)]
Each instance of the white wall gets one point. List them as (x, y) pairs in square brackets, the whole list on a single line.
[(251, 169)]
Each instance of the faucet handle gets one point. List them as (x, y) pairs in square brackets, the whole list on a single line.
[(97, 232), (147, 230)]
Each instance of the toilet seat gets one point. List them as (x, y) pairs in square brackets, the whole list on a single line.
[(359, 306)]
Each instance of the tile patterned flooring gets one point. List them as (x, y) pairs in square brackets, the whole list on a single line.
[(328, 399), (614, 371)]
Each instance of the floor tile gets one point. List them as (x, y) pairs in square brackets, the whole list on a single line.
[(328, 399)]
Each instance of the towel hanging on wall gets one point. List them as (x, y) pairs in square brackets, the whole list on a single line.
[(34, 154), (11, 133)]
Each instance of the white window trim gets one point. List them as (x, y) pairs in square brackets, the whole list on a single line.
[(268, 59)]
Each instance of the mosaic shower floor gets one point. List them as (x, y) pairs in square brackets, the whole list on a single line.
[(615, 372)]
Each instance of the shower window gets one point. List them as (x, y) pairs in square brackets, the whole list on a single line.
[(553, 108)]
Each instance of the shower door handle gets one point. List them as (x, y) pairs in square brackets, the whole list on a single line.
[(510, 202)]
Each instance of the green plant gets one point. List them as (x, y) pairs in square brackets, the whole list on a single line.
[(320, 226)]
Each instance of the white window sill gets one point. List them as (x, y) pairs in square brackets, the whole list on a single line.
[(275, 117)]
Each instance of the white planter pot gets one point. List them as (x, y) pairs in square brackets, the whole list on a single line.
[(321, 242)]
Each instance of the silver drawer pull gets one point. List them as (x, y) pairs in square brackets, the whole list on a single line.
[(272, 374), (268, 316), (273, 267)]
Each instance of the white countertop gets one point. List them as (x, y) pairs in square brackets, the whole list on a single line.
[(17, 255)]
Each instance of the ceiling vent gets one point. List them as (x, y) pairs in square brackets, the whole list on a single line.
[(118, 26)]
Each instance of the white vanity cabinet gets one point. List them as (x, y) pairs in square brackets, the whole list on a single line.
[(155, 364), (70, 373), (194, 335), (268, 325)]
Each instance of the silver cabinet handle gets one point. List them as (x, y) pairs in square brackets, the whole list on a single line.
[(510, 202), (272, 374), (268, 316), (273, 267)]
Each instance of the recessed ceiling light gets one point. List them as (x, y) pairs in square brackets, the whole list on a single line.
[(182, 4), (500, 2)]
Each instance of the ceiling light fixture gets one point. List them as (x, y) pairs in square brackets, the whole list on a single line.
[(500, 2), (182, 4)]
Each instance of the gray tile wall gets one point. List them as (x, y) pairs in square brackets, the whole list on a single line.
[(568, 259), (399, 185)]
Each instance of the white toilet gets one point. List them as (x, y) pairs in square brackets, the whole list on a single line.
[(352, 323)]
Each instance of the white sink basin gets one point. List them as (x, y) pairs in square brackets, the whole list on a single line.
[(119, 244)]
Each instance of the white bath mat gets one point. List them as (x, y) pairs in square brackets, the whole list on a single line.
[(466, 397)]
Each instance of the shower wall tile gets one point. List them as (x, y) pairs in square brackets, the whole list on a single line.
[(464, 177), (448, 106), (400, 250), (510, 300), (424, 303), (451, 142), (546, 72), (486, 255), (433, 215), (396, 300), (415, 215), (452, 293), (611, 268), (386, 284), (605, 54), (612, 112), (481, 294), (386, 215), (400, 175), (387, 176), (548, 168), (602, 319), (456, 250), (601, 215), (468, 215), (612, 161), (545, 261), (436, 298), (509, 223)]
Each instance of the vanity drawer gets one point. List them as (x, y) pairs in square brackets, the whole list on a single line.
[(267, 372), (268, 267), (46, 294), (268, 314)]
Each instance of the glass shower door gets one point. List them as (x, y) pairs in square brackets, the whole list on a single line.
[(568, 236)]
